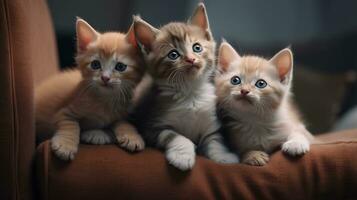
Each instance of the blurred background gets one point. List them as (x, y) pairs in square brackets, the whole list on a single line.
[(322, 34)]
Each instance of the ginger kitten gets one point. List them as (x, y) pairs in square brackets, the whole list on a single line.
[(110, 69), (254, 99), (179, 112)]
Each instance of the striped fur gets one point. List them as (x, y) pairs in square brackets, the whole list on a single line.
[(179, 112)]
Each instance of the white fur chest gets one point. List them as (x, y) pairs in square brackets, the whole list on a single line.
[(249, 135), (192, 115)]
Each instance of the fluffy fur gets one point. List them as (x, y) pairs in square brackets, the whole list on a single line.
[(53, 94), (178, 114), (259, 118), (93, 101)]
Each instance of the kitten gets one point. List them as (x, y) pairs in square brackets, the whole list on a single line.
[(110, 68), (50, 96), (255, 102), (179, 111)]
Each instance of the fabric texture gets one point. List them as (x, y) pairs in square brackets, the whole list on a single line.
[(27, 47), (328, 171)]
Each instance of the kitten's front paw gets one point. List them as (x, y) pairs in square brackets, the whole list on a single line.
[(225, 158), (295, 147), (181, 154), (256, 158), (130, 141), (96, 136), (64, 148)]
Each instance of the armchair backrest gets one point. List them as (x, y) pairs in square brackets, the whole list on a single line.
[(28, 54)]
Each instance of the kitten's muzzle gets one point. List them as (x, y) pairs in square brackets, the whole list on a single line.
[(190, 60), (244, 92), (105, 79), (192, 67), (243, 97)]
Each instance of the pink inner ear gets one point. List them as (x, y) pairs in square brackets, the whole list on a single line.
[(227, 55), (282, 73), (83, 42), (284, 66), (131, 38), (145, 35), (283, 70), (201, 21), (224, 63)]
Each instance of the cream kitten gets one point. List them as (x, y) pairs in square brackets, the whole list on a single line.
[(110, 69), (179, 112), (255, 102)]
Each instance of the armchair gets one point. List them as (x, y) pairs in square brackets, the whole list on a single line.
[(28, 56)]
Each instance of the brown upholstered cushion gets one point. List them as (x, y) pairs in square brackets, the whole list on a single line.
[(329, 171)]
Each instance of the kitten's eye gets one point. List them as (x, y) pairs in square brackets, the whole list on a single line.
[(173, 54), (261, 83), (95, 64), (120, 67), (235, 80), (197, 48)]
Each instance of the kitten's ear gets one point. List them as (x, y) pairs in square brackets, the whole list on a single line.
[(130, 35), (145, 34), (200, 19), (85, 34), (283, 61), (226, 55)]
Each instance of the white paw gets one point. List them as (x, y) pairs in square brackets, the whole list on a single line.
[(296, 147), (181, 153), (63, 147), (225, 158), (96, 136), (131, 142)]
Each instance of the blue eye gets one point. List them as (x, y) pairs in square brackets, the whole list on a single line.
[(173, 54), (261, 83), (120, 67), (95, 64), (197, 48), (235, 80)]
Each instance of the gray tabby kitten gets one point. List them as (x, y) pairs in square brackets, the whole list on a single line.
[(179, 112)]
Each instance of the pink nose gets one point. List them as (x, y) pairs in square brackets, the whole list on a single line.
[(190, 60), (244, 92), (105, 79)]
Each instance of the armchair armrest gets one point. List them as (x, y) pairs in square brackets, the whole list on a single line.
[(27, 46)]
